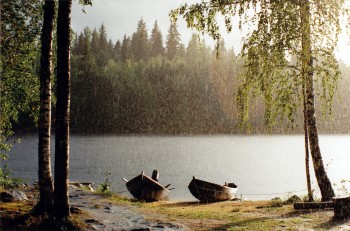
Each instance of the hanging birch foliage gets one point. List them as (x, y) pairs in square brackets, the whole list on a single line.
[(272, 49)]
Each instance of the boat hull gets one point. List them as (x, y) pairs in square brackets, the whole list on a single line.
[(210, 192), (145, 188)]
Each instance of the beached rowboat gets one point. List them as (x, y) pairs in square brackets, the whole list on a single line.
[(145, 188), (210, 192)]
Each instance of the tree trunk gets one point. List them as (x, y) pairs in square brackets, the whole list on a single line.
[(45, 203), (61, 201), (307, 153), (341, 208), (307, 69)]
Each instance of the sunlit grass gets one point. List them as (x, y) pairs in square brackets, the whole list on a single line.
[(230, 215), (16, 216), (16, 207), (233, 215)]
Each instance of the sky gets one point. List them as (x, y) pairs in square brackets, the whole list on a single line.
[(120, 17)]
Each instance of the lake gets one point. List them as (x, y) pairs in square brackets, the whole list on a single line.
[(263, 167)]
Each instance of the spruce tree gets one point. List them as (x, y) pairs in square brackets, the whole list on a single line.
[(101, 50), (126, 54), (156, 42), (117, 51), (139, 42), (173, 42), (95, 41), (192, 51)]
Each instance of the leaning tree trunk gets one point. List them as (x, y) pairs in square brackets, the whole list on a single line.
[(307, 153), (307, 68), (61, 201), (45, 203)]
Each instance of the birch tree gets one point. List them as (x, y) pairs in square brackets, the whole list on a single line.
[(45, 203), (278, 32), (61, 201)]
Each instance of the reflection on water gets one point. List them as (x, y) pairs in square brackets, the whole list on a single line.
[(260, 165)]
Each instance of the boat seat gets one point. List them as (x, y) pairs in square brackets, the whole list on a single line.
[(232, 185), (155, 175)]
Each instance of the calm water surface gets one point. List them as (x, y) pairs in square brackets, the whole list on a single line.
[(262, 166)]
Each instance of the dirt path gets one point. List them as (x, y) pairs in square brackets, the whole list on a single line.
[(106, 216)]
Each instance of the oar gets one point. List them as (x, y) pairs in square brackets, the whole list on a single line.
[(167, 187)]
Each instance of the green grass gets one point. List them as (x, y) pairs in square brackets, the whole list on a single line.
[(16, 216), (230, 215), (234, 215)]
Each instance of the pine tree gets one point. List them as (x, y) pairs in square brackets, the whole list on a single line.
[(101, 50), (95, 41), (156, 42), (110, 48), (192, 51), (117, 51), (139, 42), (126, 50), (173, 42), (102, 38), (83, 44)]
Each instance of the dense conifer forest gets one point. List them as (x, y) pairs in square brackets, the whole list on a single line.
[(150, 83)]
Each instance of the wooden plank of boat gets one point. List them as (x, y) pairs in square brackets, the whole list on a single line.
[(145, 188), (210, 192)]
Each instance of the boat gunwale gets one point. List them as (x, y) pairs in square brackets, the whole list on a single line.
[(150, 179), (213, 184), (206, 191)]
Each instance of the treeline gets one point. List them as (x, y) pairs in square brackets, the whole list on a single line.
[(152, 84), (155, 84), (144, 85)]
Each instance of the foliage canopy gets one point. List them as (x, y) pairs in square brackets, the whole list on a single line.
[(19, 85), (272, 48)]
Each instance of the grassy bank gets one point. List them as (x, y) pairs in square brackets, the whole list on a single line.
[(237, 215), (17, 215), (230, 215)]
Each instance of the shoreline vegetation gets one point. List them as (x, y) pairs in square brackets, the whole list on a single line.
[(229, 215)]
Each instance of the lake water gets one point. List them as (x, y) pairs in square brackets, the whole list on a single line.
[(263, 167)]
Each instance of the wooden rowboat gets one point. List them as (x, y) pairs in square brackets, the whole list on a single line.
[(210, 192), (145, 188)]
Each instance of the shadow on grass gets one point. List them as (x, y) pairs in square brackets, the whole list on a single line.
[(29, 222), (245, 223), (258, 223), (331, 224), (13, 221), (297, 213), (326, 225), (188, 203)]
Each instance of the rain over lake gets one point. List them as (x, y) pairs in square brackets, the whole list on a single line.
[(187, 102), (151, 94), (263, 167)]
